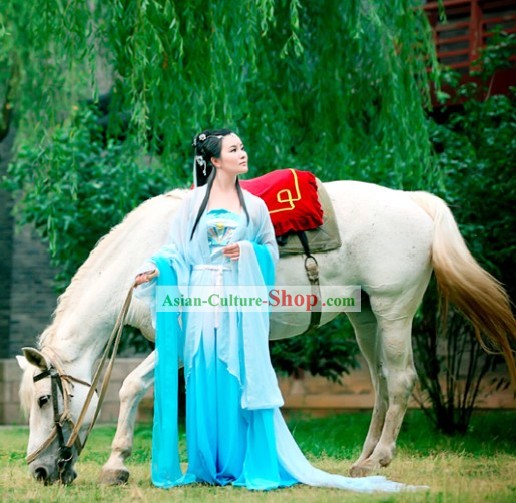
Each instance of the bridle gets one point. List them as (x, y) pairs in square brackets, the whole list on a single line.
[(60, 382)]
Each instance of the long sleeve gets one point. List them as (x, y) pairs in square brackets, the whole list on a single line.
[(266, 247), (266, 235), (256, 270)]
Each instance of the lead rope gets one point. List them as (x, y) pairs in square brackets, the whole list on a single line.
[(113, 341)]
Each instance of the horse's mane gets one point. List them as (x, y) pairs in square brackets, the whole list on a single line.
[(111, 240)]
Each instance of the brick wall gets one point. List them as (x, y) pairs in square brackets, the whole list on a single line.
[(27, 297), (33, 298), (6, 237)]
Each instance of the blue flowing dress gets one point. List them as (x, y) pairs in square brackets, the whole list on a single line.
[(225, 443)]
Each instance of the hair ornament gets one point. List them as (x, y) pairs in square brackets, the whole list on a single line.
[(201, 162), (203, 137)]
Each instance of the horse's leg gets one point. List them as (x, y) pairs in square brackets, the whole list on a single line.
[(366, 328), (134, 387), (400, 376)]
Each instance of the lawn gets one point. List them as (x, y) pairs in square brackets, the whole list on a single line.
[(478, 467)]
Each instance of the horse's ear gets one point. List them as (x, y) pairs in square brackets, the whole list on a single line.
[(34, 357), (22, 362)]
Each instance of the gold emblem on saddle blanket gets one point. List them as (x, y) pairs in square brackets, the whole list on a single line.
[(286, 196)]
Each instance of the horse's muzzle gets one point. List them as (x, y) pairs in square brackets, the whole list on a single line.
[(50, 476)]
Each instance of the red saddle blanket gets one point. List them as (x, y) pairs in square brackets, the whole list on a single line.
[(292, 199)]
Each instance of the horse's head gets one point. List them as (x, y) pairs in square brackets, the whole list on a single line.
[(53, 400)]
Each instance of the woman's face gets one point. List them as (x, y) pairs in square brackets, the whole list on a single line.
[(233, 157)]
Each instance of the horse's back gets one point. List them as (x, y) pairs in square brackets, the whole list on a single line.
[(386, 235)]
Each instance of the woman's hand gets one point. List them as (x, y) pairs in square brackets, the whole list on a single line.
[(231, 251), (145, 277)]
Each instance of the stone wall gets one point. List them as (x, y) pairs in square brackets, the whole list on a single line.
[(314, 395), (320, 397), (10, 376)]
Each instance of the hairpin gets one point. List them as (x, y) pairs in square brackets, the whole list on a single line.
[(201, 162)]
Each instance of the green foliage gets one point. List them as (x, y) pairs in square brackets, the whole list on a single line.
[(496, 55), (329, 351), (77, 186), (476, 154), (338, 87)]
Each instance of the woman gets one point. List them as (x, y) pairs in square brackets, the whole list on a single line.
[(222, 236)]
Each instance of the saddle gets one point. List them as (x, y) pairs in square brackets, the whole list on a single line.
[(301, 211), (303, 219)]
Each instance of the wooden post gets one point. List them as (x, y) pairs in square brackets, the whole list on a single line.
[(475, 34)]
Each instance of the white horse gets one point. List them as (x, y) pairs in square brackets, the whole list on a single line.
[(391, 242)]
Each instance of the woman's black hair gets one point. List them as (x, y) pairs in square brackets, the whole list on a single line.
[(207, 145)]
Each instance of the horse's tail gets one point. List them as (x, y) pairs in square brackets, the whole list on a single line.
[(462, 281)]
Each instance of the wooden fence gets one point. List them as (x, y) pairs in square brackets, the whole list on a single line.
[(467, 28)]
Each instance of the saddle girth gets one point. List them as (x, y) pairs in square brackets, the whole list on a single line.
[(312, 272)]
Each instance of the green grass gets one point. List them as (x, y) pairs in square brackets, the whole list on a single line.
[(477, 467)]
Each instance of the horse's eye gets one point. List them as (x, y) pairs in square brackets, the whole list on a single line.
[(43, 400)]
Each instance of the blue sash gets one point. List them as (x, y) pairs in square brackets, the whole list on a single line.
[(165, 469)]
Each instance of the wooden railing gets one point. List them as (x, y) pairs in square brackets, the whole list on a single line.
[(468, 27)]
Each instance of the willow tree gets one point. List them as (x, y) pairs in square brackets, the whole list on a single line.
[(330, 85), (337, 87)]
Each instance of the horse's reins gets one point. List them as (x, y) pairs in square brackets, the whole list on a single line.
[(57, 377)]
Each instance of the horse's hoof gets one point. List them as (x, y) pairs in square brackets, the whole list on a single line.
[(114, 477), (361, 469), (385, 462)]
